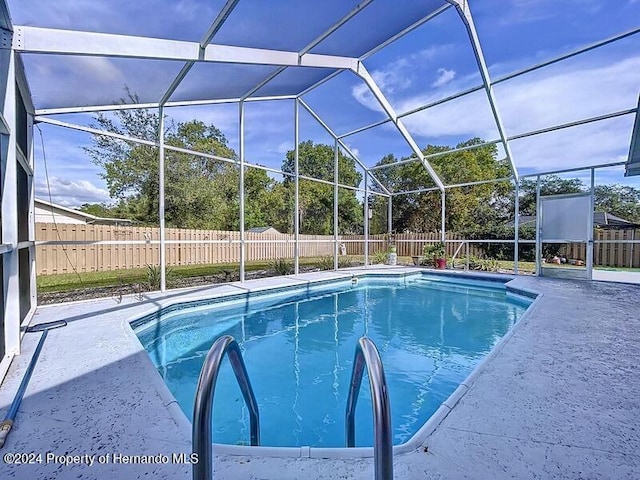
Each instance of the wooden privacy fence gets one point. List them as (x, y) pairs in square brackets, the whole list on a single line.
[(605, 254), (609, 254), (407, 244), (193, 247), (216, 247)]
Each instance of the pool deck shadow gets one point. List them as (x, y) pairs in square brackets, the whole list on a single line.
[(559, 399)]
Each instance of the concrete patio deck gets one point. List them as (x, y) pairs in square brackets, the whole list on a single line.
[(559, 399)]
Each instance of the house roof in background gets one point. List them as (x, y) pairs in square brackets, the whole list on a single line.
[(62, 210), (261, 229)]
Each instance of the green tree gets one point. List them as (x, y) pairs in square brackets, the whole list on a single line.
[(98, 210), (316, 199), (469, 210), (549, 185), (200, 192), (620, 200)]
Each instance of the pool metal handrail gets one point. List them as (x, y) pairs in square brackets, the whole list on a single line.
[(367, 355), (203, 407)]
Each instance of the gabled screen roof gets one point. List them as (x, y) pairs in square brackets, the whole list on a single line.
[(334, 27), (412, 73)]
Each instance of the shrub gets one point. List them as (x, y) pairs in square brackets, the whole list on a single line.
[(379, 257), (325, 262), (483, 264), (434, 250), (344, 262), (153, 276), (282, 266)]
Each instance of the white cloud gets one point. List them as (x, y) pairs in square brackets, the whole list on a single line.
[(563, 93), (225, 117), (397, 76), (72, 80), (355, 151), (444, 77), (363, 96), (284, 147), (592, 144), (467, 116), (71, 193)]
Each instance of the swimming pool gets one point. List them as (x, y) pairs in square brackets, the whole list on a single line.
[(298, 346)]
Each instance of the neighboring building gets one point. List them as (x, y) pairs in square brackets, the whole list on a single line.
[(267, 230), (47, 212)]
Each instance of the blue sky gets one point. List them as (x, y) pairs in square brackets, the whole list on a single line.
[(430, 63)]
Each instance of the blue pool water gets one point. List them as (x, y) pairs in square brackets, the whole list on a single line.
[(299, 346)]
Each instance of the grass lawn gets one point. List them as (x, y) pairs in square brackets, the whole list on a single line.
[(523, 267), (529, 267), (70, 281), (65, 282)]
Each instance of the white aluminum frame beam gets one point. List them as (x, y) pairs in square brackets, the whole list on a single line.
[(296, 187), (241, 191), (365, 207), (161, 201), (509, 76), (23, 86), (134, 106), (632, 167), (96, 131), (585, 121), (99, 108), (206, 40), (407, 30), (319, 83), (592, 191), (370, 170), (363, 73), (269, 77), (336, 158), (574, 169), (573, 53), (344, 20), (9, 207), (462, 6), (357, 9), (196, 153), (70, 42), (516, 225), (456, 185), (577, 123), (436, 155), (186, 68), (342, 144), (443, 216)]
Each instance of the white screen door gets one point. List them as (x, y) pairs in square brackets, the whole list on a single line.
[(566, 223)]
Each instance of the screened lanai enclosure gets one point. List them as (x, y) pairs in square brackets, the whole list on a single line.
[(344, 128)]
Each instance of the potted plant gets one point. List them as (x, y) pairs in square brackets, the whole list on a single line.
[(392, 256), (437, 253)]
